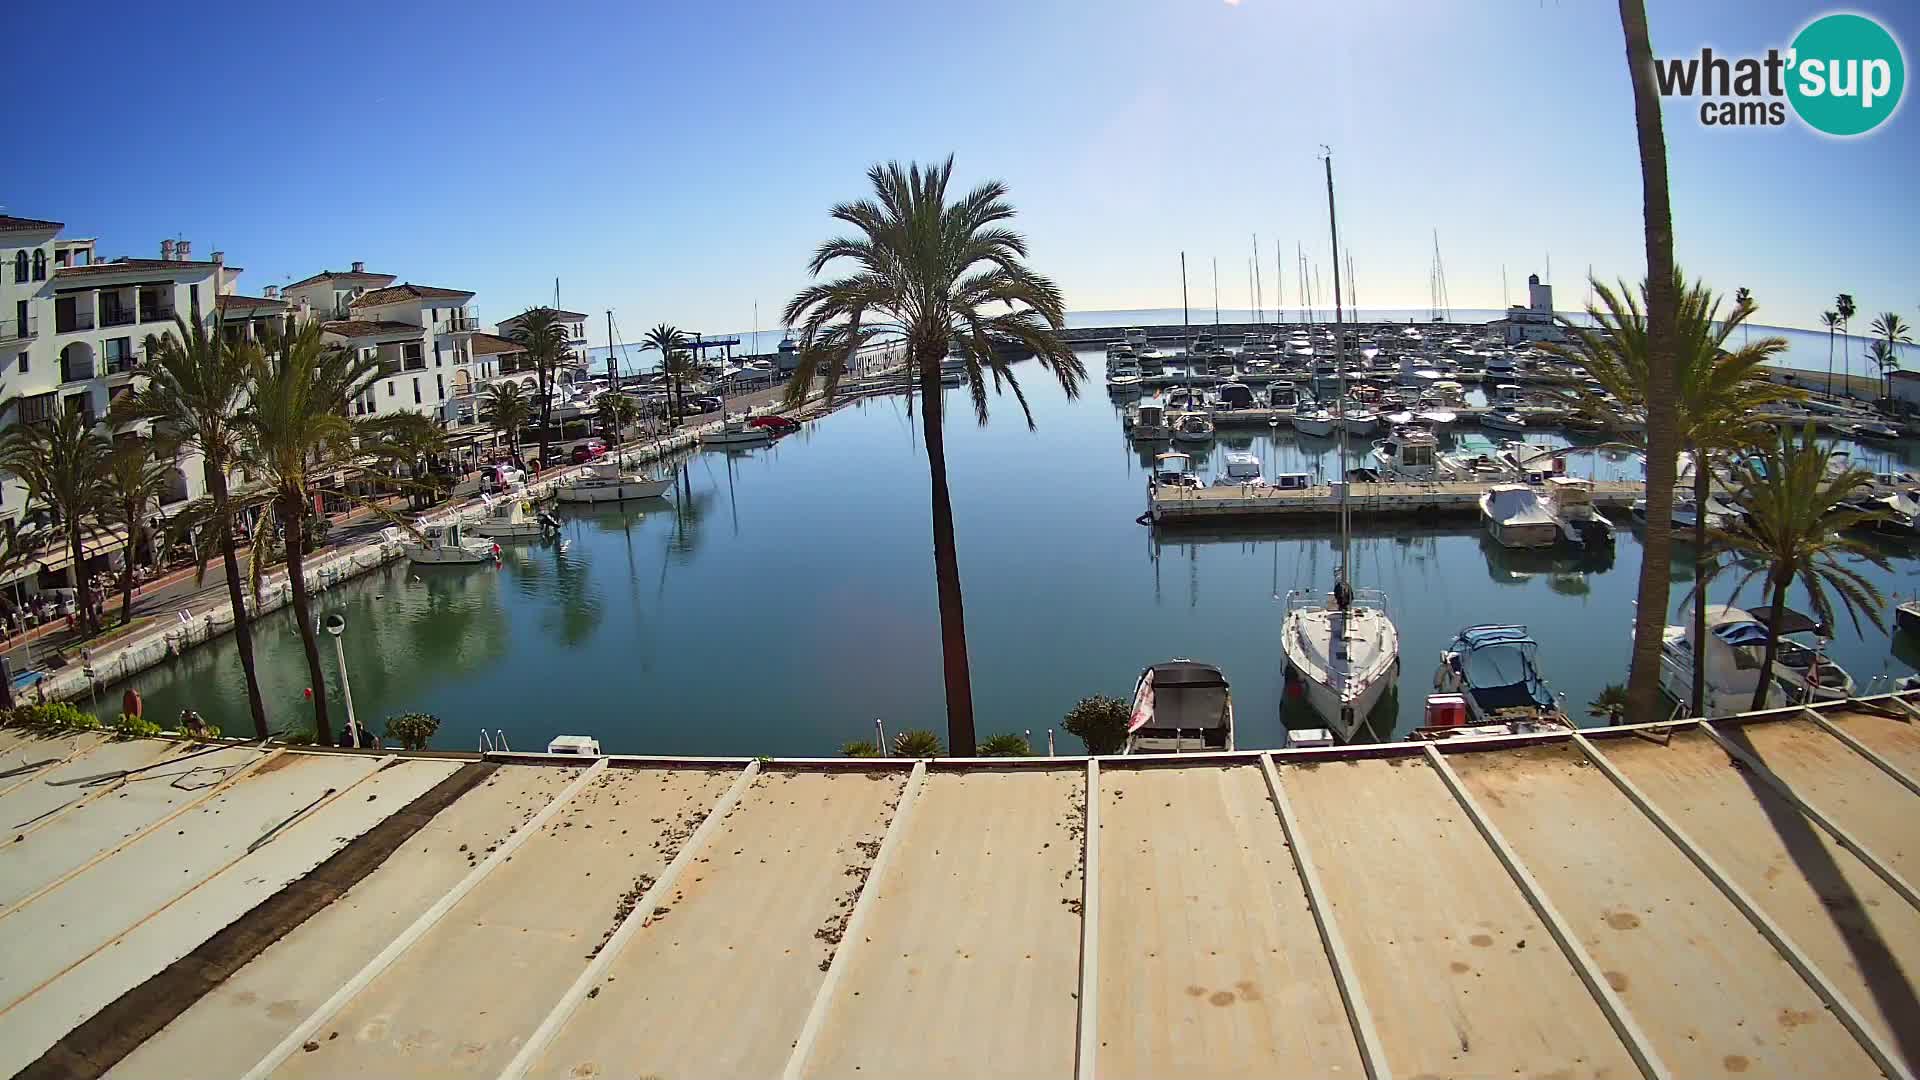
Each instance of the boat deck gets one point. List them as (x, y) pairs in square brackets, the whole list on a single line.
[(1676, 899)]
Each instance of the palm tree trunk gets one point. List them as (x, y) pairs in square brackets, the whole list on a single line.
[(126, 572), (293, 530), (1650, 613), (546, 412), (82, 592), (946, 567), (1829, 361), (1702, 490), (1773, 645), (236, 595)]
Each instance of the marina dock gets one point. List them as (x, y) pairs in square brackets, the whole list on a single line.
[(1168, 505), (1670, 899)]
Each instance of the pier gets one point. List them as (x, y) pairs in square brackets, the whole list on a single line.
[(1169, 505)]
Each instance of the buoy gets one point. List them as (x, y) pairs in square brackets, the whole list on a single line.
[(307, 693)]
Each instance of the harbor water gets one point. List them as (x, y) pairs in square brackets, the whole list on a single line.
[(783, 599)]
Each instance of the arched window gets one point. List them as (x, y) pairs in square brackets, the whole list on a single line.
[(39, 265), (19, 266)]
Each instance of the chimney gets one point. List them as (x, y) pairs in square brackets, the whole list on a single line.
[(219, 258), (166, 251), (182, 249), (273, 292), (359, 267)]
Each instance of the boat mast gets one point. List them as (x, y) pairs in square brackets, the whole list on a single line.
[(1185, 321), (1216, 290), (1340, 368), (1259, 287)]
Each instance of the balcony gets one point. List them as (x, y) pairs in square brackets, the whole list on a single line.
[(117, 317), (389, 368), (17, 329), (157, 313), (73, 371), (67, 322), (461, 323), (121, 367)]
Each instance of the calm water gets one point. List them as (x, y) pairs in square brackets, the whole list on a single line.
[(786, 599)]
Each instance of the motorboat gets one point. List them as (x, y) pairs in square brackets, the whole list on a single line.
[(1180, 707), (1359, 421), (1123, 377), (734, 431), (1735, 649), (612, 481), (1500, 420), (1410, 453), (446, 544), (1477, 459), (1895, 515), (1233, 395), (1342, 650), (1172, 469), (511, 518), (1906, 616), (1491, 672), (1119, 349), (1873, 431), (1719, 514), (1570, 502), (1516, 516), (1318, 422), (1440, 420), (1241, 468), (1147, 421), (1193, 427), (1150, 354)]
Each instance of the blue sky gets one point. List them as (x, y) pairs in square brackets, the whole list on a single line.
[(674, 161)]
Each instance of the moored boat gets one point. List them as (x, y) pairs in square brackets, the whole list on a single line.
[(1491, 672), (610, 481), (446, 545), (737, 430), (511, 518), (1180, 707), (1736, 644), (1516, 516)]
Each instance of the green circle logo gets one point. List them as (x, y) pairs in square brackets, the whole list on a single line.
[(1847, 75)]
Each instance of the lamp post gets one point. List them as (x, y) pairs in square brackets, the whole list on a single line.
[(336, 625)]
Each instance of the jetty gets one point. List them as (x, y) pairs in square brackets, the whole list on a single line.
[(1682, 898), (1171, 505)]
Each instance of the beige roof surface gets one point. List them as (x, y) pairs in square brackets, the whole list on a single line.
[(1667, 900)]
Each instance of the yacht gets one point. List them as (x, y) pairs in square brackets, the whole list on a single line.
[(1490, 672), (1896, 515), (445, 544), (1233, 395), (1180, 707), (1123, 376), (1906, 616), (1517, 517), (1193, 427), (1242, 468), (1118, 349), (509, 517), (1147, 421), (611, 481), (1873, 431), (1137, 339), (1172, 469), (1410, 453), (1570, 502), (1735, 648), (738, 430)]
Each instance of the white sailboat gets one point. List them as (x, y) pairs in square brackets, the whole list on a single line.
[(1341, 646)]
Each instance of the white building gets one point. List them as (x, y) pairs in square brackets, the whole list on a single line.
[(1535, 321), (576, 329), (419, 334)]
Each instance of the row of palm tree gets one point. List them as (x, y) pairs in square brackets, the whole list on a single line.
[(1890, 331)]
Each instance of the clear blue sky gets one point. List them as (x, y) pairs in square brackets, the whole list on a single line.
[(674, 161)]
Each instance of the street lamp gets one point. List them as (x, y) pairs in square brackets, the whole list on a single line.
[(336, 625)]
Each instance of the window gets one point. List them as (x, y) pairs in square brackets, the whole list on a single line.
[(37, 409), (196, 298), (416, 391), (390, 389), (436, 354), (439, 387), (23, 363), (19, 266), (39, 265)]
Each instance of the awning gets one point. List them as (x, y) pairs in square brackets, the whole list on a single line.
[(1791, 621), (56, 556)]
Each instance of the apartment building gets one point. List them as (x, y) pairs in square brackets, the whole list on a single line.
[(421, 335)]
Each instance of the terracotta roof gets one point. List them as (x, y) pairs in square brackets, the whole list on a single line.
[(366, 328), (123, 266), (342, 275), (407, 292), (24, 224), (562, 315), (244, 303), (487, 344)]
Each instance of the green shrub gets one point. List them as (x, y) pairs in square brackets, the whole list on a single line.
[(299, 736), (128, 726), (917, 744), (1008, 745), (1100, 722), (412, 730), (859, 748), (54, 716)]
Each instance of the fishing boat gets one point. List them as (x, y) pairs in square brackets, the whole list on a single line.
[(1340, 647), (1193, 427), (446, 544), (1242, 468), (1736, 645), (1180, 707), (1516, 516), (511, 518), (735, 431), (1490, 671), (1147, 421), (612, 481)]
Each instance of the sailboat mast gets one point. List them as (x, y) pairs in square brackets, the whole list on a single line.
[(613, 373), (1216, 290), (1259, 287), (1185, 320), (1340, 367)]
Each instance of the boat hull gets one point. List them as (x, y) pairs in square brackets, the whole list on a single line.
[(1308, 425), (1532, 534), (1343, 712), (423, 556), (587, 494), (517, 531)]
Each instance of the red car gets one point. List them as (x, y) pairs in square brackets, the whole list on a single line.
[(774, 422), (590, 450)]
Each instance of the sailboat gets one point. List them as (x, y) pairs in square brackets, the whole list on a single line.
[(1341, 647)]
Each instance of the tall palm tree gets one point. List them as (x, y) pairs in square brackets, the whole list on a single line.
[(927, 273), (405, 441), (1743, 298), (505, 406), (668, 341), (618, 412), (1717, 395), (1663, 437), (1843, 304), (1893, 332), (62, 461), (134, 482), (195, 386), (544, 336), (1794, 527), (293, 430), (1831, 319)]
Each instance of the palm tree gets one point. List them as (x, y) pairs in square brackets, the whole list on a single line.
[(682, 368), (1610, 704), (1794, 528), (669, 341), (196, 382), (1831, 319), (506, 407), (1717, 395), (1743, 298), (927, 272), (544, 337), (1843, 304), (405, 441), (135, 481), (1663, 437), (618, 412), (1893, 332), (62, 461), (293, 430)]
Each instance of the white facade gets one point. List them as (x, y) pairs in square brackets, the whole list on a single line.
[(73, 329), (1535, 321), (420, 335)]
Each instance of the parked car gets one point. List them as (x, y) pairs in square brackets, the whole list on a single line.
[(500, 477), (774, 422), (588, 450), (705, 403)]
